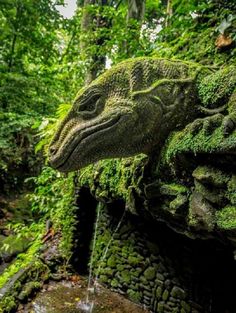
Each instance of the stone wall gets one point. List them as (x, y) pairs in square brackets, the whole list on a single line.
[(156, 267)]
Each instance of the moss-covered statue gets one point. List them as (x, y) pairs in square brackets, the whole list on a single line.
[(132, 109), (182, 115), (176, 123)]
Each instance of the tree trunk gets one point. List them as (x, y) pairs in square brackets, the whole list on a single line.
[(136, 9), (10, 61), (169, 12), (90, 22), (14, 38), (135, 15)]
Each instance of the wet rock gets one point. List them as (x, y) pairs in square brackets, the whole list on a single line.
[(178, 292), (12, 245), (63, 297)]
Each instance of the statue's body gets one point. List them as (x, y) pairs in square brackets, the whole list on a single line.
[(148, 105), (130, 109)]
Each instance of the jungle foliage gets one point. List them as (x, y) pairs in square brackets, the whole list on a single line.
[(45, 58)]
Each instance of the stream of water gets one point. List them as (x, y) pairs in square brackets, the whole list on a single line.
[(88, 304)]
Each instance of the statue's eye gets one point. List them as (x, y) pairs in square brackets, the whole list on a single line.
[(89, 104)]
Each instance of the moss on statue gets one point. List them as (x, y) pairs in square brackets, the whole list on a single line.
[(216, 88), (210, 175), (111, 179), (231, 194), (208, 134), (187, 142), (226, 218)]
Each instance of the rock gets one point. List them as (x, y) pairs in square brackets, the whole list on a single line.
[(213, 195), (28, 290), (160, 277), (201, 213), (125, 276), (178, 292), (159, 292), (134, 295), (160, 307), (150, 273), (185, 306), (165, 295), (114, 283)]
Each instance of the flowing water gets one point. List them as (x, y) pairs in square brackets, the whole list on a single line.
[(88, 304)]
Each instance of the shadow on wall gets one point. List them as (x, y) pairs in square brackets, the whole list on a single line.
[(83, 236)]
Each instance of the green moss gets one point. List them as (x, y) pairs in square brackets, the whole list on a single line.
[(136, 272), (186, 142), (111, 262), (8, 304), (54, 198), (177, 203), (120, 267), (185, 306), (231, 193), (172, 189), (125, 252), (110, 179), (160, 307), (108, 271), (165, 295), (28, 289), (150, 273), (114, 283), (178, 292), (103, 279), (210, 175), (159, 292), (126, 277), (226, 218), (217, 86), (134, 295), (13, 245), (23, 260), (133, 261), (21, 278)]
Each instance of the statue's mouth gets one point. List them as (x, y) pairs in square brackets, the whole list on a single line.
[(78, 138)]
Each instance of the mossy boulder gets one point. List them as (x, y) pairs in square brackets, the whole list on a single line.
[(150, 273)]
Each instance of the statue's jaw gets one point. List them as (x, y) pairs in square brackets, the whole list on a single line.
[(71, 154)]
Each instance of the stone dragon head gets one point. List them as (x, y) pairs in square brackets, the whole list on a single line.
[(125, 111)]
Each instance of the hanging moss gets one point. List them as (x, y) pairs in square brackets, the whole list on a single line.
[(110, 179)]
